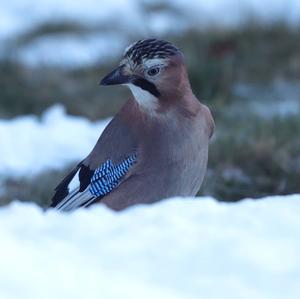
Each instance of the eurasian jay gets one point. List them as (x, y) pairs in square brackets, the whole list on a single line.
[(155, 147)]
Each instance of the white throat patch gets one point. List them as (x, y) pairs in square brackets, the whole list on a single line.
[(143, 97)]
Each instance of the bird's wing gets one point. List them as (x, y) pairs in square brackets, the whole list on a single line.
[(107, 166), (84, 186)]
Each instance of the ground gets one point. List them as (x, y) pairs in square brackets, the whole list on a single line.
[(180, 248)]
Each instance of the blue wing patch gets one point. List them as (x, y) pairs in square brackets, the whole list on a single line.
[(108, 176)]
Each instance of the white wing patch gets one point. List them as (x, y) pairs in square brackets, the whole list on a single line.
[(74, 183), (75, 199)]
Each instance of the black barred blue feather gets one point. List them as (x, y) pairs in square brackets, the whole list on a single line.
[(85, 186), (108, 176)]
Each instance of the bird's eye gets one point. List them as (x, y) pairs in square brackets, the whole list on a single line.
[(153, 71)]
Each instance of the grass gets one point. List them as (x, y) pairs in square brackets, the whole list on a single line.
[(261, 158), (31, 91), (216, 61), (250, 156)]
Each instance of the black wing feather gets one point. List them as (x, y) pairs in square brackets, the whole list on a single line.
[(61, 191), (85, 175)]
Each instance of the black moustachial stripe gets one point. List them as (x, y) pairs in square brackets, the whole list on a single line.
[(146, 85)]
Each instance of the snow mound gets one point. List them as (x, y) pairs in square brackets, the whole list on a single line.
[(180, 248), (29, 145)]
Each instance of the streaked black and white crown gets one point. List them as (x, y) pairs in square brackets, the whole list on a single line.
[(150, 49)]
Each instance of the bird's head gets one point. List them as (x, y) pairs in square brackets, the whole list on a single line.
[(154, 70)]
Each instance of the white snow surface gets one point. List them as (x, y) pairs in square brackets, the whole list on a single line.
[(18, 16), (124, 19), (180, 248), (70, 52), (29, 145)]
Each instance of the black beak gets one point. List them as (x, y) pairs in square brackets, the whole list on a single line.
[(115, 77)]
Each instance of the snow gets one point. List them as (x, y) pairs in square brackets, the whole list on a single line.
[(231, 13), (121, 20), (71, 51), (179, 248), (18, 16), (29, 145), (280, 98)]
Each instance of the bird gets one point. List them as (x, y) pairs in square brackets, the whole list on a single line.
[(155, 147)]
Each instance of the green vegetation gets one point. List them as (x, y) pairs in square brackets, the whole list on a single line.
[(255, 158), (251, 155)]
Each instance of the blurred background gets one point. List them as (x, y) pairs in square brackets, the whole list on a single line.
[(243, 59)]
